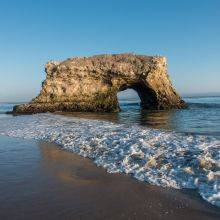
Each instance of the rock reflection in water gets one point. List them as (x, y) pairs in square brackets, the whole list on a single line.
[(150, 118)]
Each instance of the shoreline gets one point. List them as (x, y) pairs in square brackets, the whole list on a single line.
[(74, 187)]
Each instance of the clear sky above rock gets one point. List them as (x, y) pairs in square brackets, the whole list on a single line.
[(34, 32)]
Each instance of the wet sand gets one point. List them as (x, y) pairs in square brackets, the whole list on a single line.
[(40, 181)]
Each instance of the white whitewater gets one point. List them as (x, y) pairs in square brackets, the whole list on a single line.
[(159, 157)]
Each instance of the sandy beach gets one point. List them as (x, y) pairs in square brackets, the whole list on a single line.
[(40, 181)]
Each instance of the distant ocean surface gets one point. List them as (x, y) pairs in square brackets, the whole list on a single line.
[(177, 148)]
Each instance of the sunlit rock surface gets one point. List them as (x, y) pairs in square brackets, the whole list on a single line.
[(92, 84)]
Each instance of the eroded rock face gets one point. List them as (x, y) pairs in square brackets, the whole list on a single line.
[(92, 84)]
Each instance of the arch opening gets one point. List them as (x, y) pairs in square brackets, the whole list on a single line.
[(128, 98), (139, 93)]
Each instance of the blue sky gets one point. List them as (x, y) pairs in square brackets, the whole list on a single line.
[(34, 32)]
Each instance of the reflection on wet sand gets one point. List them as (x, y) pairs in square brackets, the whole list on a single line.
[(67, 167), (40, 181), (100, 195)]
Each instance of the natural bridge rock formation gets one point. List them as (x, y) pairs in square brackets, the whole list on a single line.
[(92, 84)]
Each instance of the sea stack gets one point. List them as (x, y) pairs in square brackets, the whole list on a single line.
[(92, 84)]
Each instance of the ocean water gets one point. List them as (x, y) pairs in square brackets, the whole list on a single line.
[(4, 107), (178, 148)]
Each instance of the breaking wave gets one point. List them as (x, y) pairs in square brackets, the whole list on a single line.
[(4, 107), (159, 157)]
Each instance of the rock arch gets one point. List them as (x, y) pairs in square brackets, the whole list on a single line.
[(92, 84)]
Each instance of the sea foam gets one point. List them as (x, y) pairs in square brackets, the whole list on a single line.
[(158, 157)]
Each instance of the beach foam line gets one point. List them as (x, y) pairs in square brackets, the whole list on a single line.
[(163, 158)]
